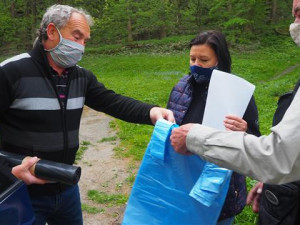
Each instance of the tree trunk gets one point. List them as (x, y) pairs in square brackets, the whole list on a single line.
[(129, 30), (229, 6), (13, 9), (274, 11), (162, 32)]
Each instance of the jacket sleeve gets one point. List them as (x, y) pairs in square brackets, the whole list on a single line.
[(271, 159), (128, 109)]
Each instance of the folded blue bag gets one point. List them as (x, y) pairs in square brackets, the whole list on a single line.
[(175, 189)]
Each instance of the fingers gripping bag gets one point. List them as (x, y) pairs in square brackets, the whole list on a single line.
[(175, 189)]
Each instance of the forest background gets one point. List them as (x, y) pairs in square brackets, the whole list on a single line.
[(127, 21), (142, 45)]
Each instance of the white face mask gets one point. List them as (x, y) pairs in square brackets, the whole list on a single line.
[(295, 32), (67, 53)]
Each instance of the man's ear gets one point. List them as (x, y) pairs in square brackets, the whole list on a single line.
[(52, 31)]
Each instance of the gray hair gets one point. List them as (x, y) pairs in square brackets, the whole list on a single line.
[(59, 15)]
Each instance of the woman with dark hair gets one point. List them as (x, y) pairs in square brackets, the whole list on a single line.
[(209, 51)]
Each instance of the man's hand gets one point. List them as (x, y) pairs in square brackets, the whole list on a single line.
[(254, 196), (178, 139), (157, 113), (25, 171)]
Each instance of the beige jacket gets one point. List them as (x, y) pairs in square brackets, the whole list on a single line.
[(271, 159)]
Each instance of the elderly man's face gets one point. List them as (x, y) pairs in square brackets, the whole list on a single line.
[(296, 10), (77, 29)]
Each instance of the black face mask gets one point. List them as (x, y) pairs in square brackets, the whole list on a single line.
[(201, 74)]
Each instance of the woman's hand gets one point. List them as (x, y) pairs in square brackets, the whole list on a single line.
[(235, 123)]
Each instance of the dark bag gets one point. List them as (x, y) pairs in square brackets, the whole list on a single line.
[(279, 204)]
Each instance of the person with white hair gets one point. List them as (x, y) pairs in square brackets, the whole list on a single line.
[(42, 94)]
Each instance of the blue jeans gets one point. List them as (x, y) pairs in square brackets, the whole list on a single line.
[(59, 209), (227, 221)]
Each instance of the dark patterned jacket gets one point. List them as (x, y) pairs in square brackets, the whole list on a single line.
[(33, 120), (183, 103)]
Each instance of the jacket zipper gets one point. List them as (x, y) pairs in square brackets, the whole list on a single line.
[(65, 131), (63, 116)]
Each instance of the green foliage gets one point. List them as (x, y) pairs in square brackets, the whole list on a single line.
[(236, 22), (126, 21), (166, 45)]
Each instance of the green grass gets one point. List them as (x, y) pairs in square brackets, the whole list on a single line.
[(91, 209), (108, 139), (82, 148), (108, 199)]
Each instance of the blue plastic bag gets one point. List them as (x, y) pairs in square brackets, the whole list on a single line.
[(175, 189)]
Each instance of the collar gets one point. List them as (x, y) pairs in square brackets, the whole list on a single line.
[(64, 74)]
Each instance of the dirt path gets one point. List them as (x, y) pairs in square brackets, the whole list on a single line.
[(101, 171)]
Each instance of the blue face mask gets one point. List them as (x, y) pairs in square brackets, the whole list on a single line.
[(67, 53), (202, 75)]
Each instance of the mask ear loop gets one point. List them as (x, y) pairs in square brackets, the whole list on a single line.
[(60, 40)]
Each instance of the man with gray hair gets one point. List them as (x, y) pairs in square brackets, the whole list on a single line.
[(42, 94)]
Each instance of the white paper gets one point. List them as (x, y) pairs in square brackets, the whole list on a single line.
[(227, 94)]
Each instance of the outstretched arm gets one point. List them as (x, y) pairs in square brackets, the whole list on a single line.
[(271, 159)]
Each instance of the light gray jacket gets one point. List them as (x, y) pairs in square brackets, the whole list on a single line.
[(271, 159)]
